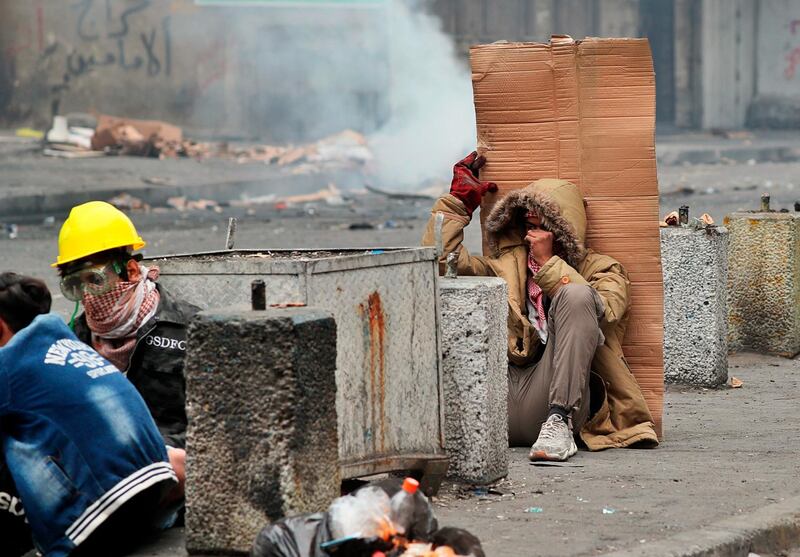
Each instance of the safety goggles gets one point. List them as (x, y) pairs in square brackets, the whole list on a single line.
[(95, 280)]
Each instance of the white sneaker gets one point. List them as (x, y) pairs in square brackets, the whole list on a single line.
[(555, 441)]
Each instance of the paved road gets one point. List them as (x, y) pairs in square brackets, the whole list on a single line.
[(726, 453)]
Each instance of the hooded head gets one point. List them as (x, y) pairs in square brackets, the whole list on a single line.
[(558, 203)]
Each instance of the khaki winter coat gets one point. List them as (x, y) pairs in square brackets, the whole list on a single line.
[(623, 419)]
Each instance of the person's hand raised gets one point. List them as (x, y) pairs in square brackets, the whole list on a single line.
[(541, 242), (466, 185)]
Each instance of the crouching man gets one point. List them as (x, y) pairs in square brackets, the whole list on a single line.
[(80, 448), (568, 310), (129, 318)]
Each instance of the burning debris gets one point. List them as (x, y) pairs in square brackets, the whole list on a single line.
[(381, 520)]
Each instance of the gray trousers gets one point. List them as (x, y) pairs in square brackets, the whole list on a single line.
[(561, 376)]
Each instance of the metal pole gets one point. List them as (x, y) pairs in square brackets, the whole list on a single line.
[(231, 238), (452, 265), (437, 234), (258, 290), (683, 215), (765, 202)]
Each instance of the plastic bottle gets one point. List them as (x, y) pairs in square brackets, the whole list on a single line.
[(403, 504)]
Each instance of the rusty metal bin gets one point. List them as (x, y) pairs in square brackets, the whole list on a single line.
[(388, 368)]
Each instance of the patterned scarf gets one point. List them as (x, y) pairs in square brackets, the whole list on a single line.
[(116, 316), (535, 296)]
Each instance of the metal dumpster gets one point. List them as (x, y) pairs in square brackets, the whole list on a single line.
[(388, 368)]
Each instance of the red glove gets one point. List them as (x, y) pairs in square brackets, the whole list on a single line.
[(466, 186)]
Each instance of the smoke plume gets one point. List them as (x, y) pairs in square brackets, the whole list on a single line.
[(431, 120)]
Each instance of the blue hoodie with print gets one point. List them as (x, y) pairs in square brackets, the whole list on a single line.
[(75, 434)]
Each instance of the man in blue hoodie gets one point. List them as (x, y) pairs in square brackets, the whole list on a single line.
[(85, 456)]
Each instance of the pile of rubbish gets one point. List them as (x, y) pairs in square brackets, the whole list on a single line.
[(82, 136), (681, 218), (386, 519)]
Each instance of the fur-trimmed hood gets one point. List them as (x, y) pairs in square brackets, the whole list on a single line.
[(559, 203)]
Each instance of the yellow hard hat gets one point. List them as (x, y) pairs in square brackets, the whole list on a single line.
[(94, 227)]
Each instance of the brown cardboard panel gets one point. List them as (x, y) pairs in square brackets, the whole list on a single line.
[(584, 112)]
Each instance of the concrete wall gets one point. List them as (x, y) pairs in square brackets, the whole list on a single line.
[(728, 70), (232, 70), (778, 47), (777, 102), (227, 70)]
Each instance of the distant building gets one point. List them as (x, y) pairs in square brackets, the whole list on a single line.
[(718, 63)]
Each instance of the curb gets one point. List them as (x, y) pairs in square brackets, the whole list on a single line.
[(717, 155), (59, 203), (768, 530)]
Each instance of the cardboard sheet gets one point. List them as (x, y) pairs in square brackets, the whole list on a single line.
[(110, 131), (584, 111)]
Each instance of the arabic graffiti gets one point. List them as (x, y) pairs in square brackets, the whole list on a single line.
[(109, 39)]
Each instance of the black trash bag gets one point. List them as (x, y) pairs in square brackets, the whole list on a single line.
[(302, 536), (461, 541), (299, 536)]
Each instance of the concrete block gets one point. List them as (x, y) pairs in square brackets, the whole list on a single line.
[(475, 376), (262, 439), (695, 266), (764, 282)]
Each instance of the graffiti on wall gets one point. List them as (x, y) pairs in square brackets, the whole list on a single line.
[(793, 57), (111, 34)]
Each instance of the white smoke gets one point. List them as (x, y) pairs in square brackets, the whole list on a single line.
[(431, 121)]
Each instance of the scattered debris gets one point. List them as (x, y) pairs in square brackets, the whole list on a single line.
[(289, 305), (671, 219), (126, 136), (361, 226), (608, 510), (29, 133), (153, 138), (736, 383), (182, 204), (534, 510), (65, 153), (12, 231), (248, 201), (399, 195), (331, 192), (707, 219), (155, 181), (731, 134), (127, 202), (555, 464)]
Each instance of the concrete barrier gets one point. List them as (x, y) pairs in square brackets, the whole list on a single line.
[(764, 282), (262, 439), (695, 265), (475, 376)]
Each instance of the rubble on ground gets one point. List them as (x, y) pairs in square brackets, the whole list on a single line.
[(153, 138)]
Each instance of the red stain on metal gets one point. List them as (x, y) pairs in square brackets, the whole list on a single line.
[(376, 331)]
